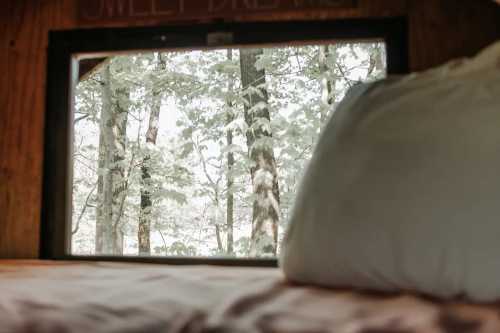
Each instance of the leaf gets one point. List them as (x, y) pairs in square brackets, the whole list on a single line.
[(263, 62), (172, 195), (233, 148), (258, 107), (187, 149), (261, 123), (251, 90)]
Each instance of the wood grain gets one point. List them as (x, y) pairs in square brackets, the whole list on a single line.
[(21, 158), (439, 31), (97, 11), (5, 8), (22, 143)]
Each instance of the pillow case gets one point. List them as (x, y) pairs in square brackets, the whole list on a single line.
[(403, 190)]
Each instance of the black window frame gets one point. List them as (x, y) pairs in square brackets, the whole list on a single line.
[(62, 77)]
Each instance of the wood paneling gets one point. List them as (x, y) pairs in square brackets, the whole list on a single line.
[(365, 8), (439, 31), (4, 93), (22, 118), (21, 139), (92, 11)]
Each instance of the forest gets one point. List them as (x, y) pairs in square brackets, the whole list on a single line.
[(199, 153)]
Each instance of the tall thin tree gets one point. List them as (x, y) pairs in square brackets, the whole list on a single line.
[(326, 55), (144, 231), (230, 160), (264, 176), (120, 177), (112, 182), (104, 212)]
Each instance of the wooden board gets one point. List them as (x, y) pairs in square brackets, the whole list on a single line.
[(21, 139), (92, 11), (22, 119), (117, 12), (4, 93), (439, 30)]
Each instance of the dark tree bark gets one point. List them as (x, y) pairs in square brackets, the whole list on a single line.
[(265, 215), (230, 164), (220, 246), (144, 232)]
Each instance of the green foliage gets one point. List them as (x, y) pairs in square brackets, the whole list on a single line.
[(188, 164)]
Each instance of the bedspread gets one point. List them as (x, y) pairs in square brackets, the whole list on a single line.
[(44, 296)]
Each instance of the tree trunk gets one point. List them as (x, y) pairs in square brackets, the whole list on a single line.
[(376, 59), (112, 183), (230, 164), (327, 86), (100, 221), (144, 231), (220, 246), (104, 214), (265, 215), (120, 183)]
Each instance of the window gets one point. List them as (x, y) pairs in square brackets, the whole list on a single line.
[(193, 146)]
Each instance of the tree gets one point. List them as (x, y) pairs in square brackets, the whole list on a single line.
[(144, 230), (119, 173), (327, 54), (230, 161), (104, 212), (376, 65), (206, 180), (264, 177), (112, 179)]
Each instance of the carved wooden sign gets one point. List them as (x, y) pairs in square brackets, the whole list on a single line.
[(94, 11)]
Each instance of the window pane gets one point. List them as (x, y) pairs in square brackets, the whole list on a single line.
[(200, 153)]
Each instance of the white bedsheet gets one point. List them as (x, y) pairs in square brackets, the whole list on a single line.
[(38, 296)]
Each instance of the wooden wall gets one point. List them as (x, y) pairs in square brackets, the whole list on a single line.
[(439, 31)]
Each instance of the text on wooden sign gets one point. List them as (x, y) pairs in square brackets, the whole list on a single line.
[(101, 10)]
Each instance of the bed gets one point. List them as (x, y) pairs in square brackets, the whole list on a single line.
[(48, 296)]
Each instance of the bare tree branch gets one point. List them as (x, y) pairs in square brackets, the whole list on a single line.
[(84, 208)]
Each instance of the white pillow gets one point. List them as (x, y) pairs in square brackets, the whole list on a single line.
[(403, 190)]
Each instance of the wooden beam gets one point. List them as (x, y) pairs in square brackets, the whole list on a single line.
[(92, 11)]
